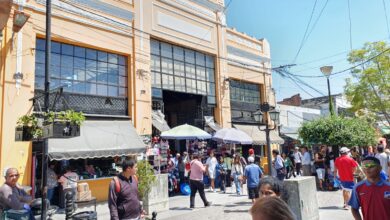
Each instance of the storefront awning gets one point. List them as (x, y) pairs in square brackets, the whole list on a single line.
[(258, 136), (209, 121), (158, 121), (98, 139)]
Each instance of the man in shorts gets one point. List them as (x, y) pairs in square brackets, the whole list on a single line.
[(252, 174), (345, 167)]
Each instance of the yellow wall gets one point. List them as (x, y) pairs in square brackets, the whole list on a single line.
[(99, 188)]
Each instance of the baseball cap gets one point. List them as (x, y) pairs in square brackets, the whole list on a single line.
[(344, 150), (251, 151), (251, 159)]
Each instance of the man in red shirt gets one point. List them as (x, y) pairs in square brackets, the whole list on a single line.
[(372, 194), (345, 166)]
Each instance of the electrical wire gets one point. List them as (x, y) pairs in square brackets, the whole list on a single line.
[(350, 25), (316, 21), (306, 31), (387, 20)]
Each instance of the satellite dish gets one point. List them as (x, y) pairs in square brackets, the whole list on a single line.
[(5, 9)]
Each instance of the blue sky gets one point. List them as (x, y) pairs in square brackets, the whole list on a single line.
[(283, 24)]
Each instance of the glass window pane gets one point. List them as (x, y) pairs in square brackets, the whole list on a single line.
[(113, 69), (211, 100), (210, 75), (67, 85), (178, 53), (122, 92), (67, 61), (79, 52), (155, 63), (79, 87), (79, 75), (102, 77), (121, 60), (166, 50), (55, 60), (200, 60), (79, 63), (180, 84), (211, 89), (166, 66), (201, 87), (102, 90), (102, 56), (55, 71), (122, 70), (155, 47), (39, 69), (200, 73), (113, 91), (189, 56), (91, 65), (40, 56), (41, 44), (67, 49), (190, 71), (91, 76), (191, 85), (54, 83), (113, 79), (209, 61), (156, 80), (66, 73), (102, 67), (122, 81), (39, 83), (91, 54), (167, 82), (55, 47), (113, 58), (90, 88), (179, 68)]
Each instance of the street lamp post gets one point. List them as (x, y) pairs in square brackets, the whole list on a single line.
[(327, 71), (274, 116)]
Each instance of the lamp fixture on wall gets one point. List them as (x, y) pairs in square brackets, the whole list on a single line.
[(20, 18), (18, 77)]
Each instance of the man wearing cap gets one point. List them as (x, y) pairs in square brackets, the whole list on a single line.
[(372, 194), (252, 174), (384, 160), (345, 166)]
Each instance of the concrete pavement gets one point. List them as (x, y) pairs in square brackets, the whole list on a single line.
[(229, 207)]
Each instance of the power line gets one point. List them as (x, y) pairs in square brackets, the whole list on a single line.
[(387, 21), (316, 21), (304, 36), (350, 25)]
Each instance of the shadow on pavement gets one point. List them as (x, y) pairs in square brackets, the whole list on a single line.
[(237, 211), (330, 207), (180, 208), (249, 203)]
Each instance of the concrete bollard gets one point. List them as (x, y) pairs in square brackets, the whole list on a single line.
[(68, 205), (302, 197)]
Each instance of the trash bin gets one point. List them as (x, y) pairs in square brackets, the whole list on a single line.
[(87, 215)]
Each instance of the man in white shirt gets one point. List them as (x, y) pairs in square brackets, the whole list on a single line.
[(298, 160), (306, 162), (384, 159)]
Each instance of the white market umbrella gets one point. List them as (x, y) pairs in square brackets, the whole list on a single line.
[(185, 132), (232, 136)]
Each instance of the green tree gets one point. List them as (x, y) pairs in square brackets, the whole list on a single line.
[(338, 131), (146, 178), (369, 89)]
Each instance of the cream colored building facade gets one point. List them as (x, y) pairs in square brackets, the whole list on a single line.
[(125, 29)]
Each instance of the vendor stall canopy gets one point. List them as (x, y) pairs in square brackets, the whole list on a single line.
[(185, 132), (259, 136), (98, 139)]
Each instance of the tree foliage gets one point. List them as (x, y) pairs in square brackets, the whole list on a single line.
[(146, 178), (369, 89), (338, 131)]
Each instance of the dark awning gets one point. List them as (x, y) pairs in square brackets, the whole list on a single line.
[(258, 135), (158, 121), (98, 139)]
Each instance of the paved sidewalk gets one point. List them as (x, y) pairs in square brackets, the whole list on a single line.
[(229, 207)]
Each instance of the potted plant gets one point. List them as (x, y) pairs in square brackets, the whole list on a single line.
[(28, 128), (65, 124)]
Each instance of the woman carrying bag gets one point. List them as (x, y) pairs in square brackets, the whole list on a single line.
[(237, 172)]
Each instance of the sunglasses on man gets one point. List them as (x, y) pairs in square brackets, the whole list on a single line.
[(369, 165)]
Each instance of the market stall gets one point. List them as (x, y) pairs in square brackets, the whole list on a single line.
[(97, 154)]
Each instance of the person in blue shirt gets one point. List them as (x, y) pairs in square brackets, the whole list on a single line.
[(222, 171), (278, 164), (252, 175)]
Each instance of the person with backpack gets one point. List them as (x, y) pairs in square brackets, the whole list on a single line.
[(123, 199)]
